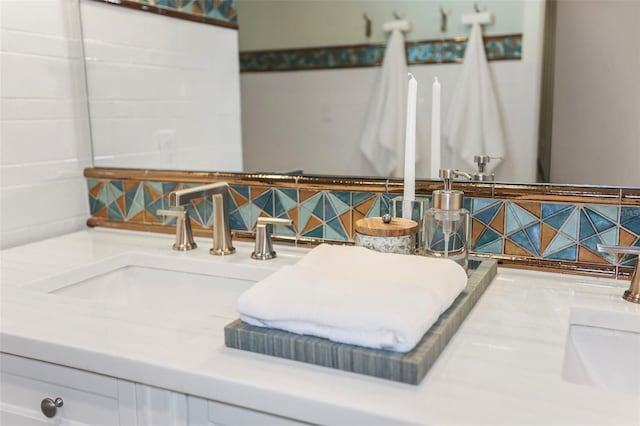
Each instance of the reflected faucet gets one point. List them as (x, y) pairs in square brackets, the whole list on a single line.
[(221, 231)]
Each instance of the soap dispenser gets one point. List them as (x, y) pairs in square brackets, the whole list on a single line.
[(447, 225)]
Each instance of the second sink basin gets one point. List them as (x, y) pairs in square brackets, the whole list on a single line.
[(137, 281), (603, 350)]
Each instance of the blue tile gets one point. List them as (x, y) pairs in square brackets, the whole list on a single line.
[(549, 209), (569, 253), (629, 214), (586, 228), (556, 221), (533, 232), (237, 222), (521, 238), (329, 212), (496, 247), (487, 236), (242, 190), (485, 216), (315, 232), (600, 222), (358, 197)]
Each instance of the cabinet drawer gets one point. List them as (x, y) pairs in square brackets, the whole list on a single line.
[(88, 398)]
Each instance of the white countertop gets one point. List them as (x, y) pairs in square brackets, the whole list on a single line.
[(503, 366)]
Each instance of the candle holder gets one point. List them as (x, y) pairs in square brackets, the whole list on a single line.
[(417, 209)]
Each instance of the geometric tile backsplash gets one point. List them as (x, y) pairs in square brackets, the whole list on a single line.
[(556, 231)]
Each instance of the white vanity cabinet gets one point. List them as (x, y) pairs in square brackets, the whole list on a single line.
[(93, 399), (87, 398)]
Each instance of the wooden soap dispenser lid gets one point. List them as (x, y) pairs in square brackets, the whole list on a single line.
[(376, 227)]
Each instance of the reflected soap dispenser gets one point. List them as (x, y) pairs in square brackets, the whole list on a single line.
[(447, 225)]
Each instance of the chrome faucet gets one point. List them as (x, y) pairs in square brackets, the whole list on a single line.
[(221, 231), (633, 294)]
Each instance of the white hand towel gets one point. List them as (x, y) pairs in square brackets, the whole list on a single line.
[(355, 295), (473, 125), (382, 140)]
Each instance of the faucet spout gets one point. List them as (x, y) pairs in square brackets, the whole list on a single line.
[(219, 192)]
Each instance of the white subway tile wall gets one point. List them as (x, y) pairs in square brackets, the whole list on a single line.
[(163, 92), (44, 129)]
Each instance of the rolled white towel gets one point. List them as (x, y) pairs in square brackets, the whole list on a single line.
[(355, 295)]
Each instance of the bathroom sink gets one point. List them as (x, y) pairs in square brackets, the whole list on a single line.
[(603, 350), (190, 287)]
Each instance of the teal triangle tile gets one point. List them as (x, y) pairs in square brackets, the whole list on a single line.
[(286, 198), (204, 208), (338, 204), (330, 233), (569, 253), (264, 201), (284, 230), (550, 209), (533, 232), (329, 211), (304, 215), (154, 206), (236, 221), (375, 210), (487, 236), (586, 228), (168, 188), (591, 244), (108, 194), (118, 185), (609, 236), (570, 227), (249, 213), (557, 220), (521, 238), (467, 203), (242, 190), (336, 225), (609, 212), (91, 183), (344, 196), (482, 203), (149, 197), (311, 203), (358, 197), (495, 247), (632, 225), (114, 213), (599, 222), (95, 205), (559, 242), (134, 204), (156, 186), (629, 214), (318, 210), (316, 232), (231, 202), (485, 216), (278, 208), (517, 218)]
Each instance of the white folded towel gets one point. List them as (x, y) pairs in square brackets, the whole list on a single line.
[(355, 295), (473, 125), (382, 139)]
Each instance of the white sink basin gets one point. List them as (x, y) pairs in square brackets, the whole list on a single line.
[(603, 350), (191, 287)]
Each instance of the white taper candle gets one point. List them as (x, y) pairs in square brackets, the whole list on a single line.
[(435, 130), (410, 149)]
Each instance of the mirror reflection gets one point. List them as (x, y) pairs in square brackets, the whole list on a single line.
[(170, 93)]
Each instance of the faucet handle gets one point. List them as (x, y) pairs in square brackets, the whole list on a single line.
[(633, 294), (264, 246), (184, 235)]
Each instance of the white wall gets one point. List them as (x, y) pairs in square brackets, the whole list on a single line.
[(164, 93), (596, 111), (44, 136), (283, 24)]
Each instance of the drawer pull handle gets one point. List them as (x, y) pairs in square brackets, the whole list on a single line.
[(50, 407)]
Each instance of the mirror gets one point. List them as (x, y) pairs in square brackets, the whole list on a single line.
[(168, 93)]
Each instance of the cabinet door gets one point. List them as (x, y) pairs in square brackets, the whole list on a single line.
[(88, 398), (212, 413)]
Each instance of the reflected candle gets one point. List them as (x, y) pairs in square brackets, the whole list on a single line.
[(410, 149)]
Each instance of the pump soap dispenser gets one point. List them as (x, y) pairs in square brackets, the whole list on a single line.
[(447, 224)]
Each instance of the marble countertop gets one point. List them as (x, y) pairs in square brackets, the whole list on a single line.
[(503, 366)]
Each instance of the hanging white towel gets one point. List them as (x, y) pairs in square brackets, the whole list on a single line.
[(473, 125), (382, 140), (355, 295)]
